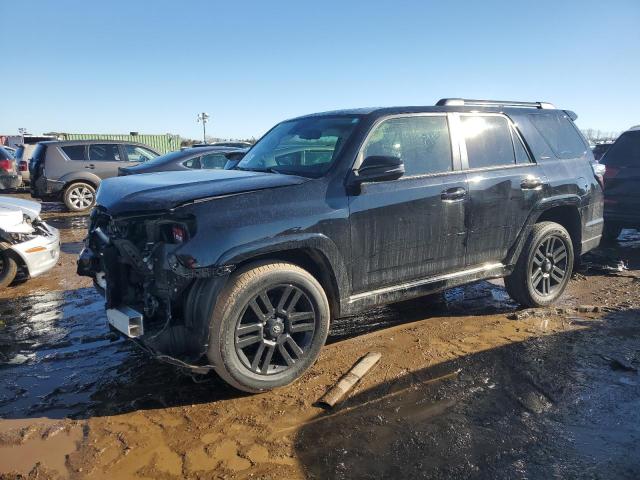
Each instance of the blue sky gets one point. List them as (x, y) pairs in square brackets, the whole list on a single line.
[(117, 66)]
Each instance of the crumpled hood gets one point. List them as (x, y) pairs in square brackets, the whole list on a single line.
[(29, 208), (164, 190)]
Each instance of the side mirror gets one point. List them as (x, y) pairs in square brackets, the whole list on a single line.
[(379, 168)]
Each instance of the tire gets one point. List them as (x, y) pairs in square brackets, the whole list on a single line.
[(8, 268), (79, 196), (250, 338), (535, 280), (611, 232)]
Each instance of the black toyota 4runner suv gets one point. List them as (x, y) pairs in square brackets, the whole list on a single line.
[(243, 270)]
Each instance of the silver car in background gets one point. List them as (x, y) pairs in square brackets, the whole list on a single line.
[(27, 244)]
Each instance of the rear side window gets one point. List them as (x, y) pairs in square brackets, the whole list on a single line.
[(422, 142), (193, 163), (625, 152), (489, 141), (214, 160), (560, 134), (108, 152), (74, 152)]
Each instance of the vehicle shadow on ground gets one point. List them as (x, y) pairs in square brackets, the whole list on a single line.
[(59, 359), (559, 405)]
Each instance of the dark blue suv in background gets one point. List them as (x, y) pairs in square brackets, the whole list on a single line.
[(622, 183), (243, 270)]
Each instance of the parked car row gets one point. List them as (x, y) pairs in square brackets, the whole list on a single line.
[(72, 171), (243, 270)]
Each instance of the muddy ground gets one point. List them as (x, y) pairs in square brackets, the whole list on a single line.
[(475, 387)]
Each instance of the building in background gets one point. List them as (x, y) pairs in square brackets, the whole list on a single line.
[(161, 143)]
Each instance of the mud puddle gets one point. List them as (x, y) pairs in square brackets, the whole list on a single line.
[(547, 407), (59, 359)]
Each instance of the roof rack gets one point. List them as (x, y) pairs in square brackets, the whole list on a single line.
[(461, 102)]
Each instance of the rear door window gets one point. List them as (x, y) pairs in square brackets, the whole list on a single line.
[(214, 160), (108, 152), (193, 163), (489, 141), (560, 134), (625, 152), (75, 152)]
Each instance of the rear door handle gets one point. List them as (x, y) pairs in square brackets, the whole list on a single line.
[(91, 166), (453, 194), (531, 183)]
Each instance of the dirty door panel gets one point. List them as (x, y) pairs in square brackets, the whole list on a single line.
[(404, 229), (504, 186), (105, 159)]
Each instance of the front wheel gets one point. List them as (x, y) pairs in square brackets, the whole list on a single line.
[(544, 267), (8, 268), (268, 326)]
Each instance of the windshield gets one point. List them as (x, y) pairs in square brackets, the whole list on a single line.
[(306, 147)]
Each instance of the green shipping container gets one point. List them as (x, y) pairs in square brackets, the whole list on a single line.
[(160, 143)]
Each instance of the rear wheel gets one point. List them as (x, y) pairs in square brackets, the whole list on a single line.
[(8, 268), (268, 326), (544, 267), (79, 196)]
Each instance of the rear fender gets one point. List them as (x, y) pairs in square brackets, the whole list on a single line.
[(542, 206)]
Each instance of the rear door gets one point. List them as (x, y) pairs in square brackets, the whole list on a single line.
[(413, 227), (104, 159), (622, 178), (504, 184)]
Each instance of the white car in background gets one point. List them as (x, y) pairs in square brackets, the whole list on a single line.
[(27, 244)]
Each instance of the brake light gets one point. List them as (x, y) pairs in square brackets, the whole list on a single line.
[(178, 233), (5, 165)]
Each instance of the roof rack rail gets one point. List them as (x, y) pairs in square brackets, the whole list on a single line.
[(460, 102)]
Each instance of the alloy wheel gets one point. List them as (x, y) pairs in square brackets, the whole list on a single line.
[(81, 197), (549, 265), (275, 330)]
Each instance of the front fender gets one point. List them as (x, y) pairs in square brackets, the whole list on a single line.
[(314, 242)]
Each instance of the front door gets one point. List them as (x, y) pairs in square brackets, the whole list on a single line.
[(504, 185), (413, 227)]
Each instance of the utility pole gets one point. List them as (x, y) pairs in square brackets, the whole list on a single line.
[(204, 118)]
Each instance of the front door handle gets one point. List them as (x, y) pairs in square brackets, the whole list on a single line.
[(531, 183), (91, 166), (453, 194)]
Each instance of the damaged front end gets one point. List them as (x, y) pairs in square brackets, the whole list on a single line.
[(135, 261)]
